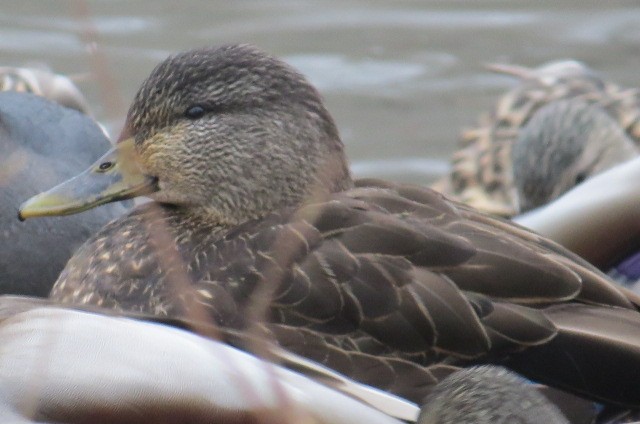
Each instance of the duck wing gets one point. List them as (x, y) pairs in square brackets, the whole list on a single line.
[(397, 287), (393, 285)]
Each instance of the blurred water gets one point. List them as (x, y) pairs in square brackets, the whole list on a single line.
[(401, 77)]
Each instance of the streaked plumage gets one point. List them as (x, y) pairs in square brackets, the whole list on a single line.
[(482, 167), (563, 144), (258, 228), (42, 143), (488, 395)]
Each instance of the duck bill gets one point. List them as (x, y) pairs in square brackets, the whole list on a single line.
[(115, 176)]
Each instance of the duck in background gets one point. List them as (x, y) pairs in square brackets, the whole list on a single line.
[(42, 142), (160, 373), (566, 143), (258, 227), (42, 82), (488, 395), (483, 168), (597, 219), (127, 369), (563, 144), (560, 126)]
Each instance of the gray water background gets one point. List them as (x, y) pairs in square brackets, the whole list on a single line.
[(401, 78)]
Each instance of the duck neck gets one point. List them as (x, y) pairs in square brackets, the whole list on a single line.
[(206, 215)]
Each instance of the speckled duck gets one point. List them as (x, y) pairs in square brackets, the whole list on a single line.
[(566, 98), (256, 225)]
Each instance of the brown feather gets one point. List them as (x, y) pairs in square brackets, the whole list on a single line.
[(357, 290), (261, 232), (595, 353)]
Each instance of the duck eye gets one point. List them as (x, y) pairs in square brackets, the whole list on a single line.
[(105, 166), (580, 178), (194, 112)]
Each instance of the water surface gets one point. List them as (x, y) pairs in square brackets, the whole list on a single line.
[(400, 77)]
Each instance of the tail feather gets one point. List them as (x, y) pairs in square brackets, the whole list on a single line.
[(596, 354)]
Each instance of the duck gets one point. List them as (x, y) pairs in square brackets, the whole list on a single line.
[(42, 142), (256, 225), (161, 373), (596, 219), (157, 367), (488, 395), (563, 144), (43, 82), (566, 143), (482, 167)]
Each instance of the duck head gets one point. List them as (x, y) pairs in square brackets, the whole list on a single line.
[(229, 130), (564, 143)]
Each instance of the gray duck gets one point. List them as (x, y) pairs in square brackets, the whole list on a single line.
[(257, 226), (157, 369), (156, 373), (562, 145), (42, 143), (482, 167), (488, 395)]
